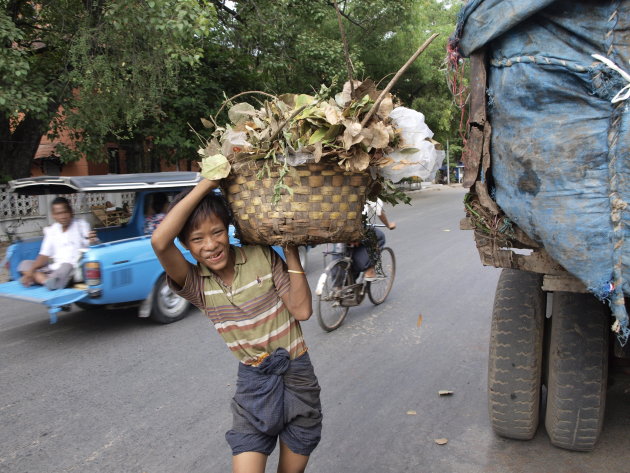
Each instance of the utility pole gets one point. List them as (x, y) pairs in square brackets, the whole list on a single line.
[(448, 167)]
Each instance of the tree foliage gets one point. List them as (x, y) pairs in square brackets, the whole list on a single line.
[(138, 71), (104, 64), (296, 46)]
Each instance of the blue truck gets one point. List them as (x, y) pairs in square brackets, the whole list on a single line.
[(123, 268)]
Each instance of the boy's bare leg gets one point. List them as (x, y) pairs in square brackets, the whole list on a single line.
[(291, 462), (249, 462)]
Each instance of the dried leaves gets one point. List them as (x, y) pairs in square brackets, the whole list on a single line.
[(298, 125)]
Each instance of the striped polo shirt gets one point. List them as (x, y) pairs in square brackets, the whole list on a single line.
[(250, 314)]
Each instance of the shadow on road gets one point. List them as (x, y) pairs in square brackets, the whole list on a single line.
[(97, 325)]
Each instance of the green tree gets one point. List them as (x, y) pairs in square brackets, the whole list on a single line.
[(431, 93), (295, 46), (274, 46), (221, 72), (146, 71), (106, 65)]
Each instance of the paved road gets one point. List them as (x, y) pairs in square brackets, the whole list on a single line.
[(107, 392)]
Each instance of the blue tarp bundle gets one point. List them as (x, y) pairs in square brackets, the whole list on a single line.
[(559, 145)]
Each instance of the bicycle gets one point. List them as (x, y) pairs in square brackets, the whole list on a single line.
[(339, 288)]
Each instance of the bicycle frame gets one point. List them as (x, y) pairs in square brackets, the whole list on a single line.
[(351, 294), (340, 287)]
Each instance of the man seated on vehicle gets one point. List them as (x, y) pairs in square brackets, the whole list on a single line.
[(362, 258), (59, 252)]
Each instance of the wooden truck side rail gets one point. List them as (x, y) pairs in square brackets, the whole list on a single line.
[(500, 242)]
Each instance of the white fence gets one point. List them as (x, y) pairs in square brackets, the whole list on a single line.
[(26, 216)]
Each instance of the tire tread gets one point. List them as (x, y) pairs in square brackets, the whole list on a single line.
[(515, 361), (578, 371)]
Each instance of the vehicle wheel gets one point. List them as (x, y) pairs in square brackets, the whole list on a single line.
[(516, 350), (84, 306), (379, 290), (330, 312), (167, 306), (578, 371)]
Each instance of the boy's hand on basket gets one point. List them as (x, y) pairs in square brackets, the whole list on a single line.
[(292, 258), (290, 249)]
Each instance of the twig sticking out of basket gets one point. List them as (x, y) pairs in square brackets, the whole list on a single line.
[(400, 72), (346, 49)]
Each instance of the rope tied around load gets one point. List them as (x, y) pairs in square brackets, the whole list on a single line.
[(624, 93)]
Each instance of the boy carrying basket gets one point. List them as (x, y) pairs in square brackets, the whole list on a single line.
[(255, 302)]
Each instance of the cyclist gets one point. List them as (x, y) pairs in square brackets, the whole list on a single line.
[(361, 258)]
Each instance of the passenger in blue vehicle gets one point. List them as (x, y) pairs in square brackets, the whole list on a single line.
[(256, 302), (156, 212), (59, 252)]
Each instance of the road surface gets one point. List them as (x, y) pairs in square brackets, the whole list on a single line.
[(104, 391)]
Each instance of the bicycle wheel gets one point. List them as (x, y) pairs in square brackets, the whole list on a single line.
[(330, 312), (379, 290)]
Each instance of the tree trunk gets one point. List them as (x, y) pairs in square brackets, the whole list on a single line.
[(18, 146)]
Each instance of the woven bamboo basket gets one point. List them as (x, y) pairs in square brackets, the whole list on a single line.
[(325, 207)]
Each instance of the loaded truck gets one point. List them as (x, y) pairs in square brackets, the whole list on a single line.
[(547, 165)]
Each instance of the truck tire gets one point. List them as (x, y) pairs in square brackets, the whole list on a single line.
[(577, 371), (167, 306), (516, 350)]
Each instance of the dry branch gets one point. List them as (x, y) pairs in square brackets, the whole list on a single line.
[(400, 72)]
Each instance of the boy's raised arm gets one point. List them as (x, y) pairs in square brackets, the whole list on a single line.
[(163, 238), (298, 299)]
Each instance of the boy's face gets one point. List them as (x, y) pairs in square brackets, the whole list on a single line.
[(209, 244), (61, 214)]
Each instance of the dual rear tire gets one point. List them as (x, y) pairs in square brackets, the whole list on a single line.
[(516, 352), (578, 371), (575, 362)]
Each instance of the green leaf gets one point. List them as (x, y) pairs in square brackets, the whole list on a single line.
[(303, 99), (319, 135)]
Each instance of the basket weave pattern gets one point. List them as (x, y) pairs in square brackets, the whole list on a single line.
[(325, 207)]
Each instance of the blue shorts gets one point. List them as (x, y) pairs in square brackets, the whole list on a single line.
[(278, 398)]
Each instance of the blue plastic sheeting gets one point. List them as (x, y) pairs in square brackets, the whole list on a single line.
[(559, 146)]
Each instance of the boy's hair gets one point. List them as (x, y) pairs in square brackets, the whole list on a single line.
[(212, 204), (62, 201)]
